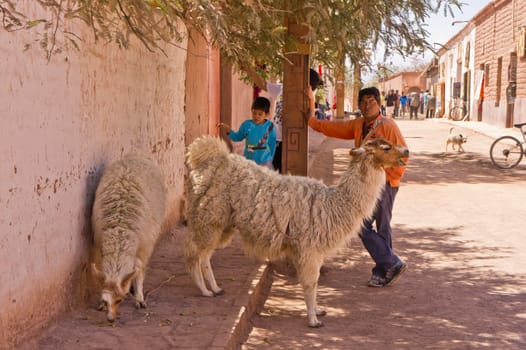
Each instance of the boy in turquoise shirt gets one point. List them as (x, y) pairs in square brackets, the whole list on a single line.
[(258, 133)]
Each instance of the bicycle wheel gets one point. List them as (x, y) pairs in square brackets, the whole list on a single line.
[(506, 152), (455, 113)]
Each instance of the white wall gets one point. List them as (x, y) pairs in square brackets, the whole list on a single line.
[(452, 73), (61, 122)]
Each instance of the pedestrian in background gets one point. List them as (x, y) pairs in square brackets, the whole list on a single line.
[(414, 105), (431, 106), (403, 104), (383, 101), (390, 104), (397, 104)]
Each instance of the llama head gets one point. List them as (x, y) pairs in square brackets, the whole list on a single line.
[(382, 153), (114, 290)]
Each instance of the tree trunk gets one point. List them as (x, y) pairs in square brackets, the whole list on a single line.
[(295, 103)]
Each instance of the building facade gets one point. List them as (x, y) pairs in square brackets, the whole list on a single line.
[(500, 60), (483, 67), (404, 82), (455, 84)]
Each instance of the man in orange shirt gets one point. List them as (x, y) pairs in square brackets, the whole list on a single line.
[(372, 124)]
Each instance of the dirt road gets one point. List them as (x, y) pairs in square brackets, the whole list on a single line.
[(458, 223)]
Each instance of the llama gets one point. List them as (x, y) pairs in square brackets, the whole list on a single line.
[(278, 216), (128, 214)]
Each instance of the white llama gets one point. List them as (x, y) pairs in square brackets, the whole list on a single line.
[(128, 214), (278, 216)]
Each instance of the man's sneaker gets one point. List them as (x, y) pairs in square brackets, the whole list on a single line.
[(376, 281), (392, 275)]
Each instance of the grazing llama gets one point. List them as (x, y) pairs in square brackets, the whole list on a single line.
[(128, 213), (278, 216)]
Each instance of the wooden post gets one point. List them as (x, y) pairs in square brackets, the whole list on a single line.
[(295, 102)]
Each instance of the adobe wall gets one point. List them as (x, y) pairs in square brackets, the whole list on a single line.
[(62, 122), (200, 67), (404, 82)]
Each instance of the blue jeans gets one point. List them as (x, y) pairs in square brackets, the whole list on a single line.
[(379, 243)]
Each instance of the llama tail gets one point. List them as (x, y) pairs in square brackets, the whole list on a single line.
[(451, 130), (205, 148)]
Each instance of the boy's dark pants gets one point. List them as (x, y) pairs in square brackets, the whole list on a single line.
[(276, 162)]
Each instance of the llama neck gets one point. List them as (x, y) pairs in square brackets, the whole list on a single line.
[(355, 195)]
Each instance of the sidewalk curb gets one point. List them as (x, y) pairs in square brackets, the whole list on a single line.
[(237, 324)]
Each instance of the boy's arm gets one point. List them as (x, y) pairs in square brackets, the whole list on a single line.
[(239, 135)]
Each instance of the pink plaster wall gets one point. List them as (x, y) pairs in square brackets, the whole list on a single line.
[(242, 97), (197, 87), (61, 122)]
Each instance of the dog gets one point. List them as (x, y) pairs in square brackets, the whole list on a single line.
[(456, 140)]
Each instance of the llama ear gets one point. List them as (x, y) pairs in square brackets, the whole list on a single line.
[(96, 272), (127, 279), (369, 145), (356, 151), (370, 142)]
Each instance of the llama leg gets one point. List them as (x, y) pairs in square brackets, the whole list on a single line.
[(207, 271), (197, 276), (194, 253), (139, 292), (308, 275)]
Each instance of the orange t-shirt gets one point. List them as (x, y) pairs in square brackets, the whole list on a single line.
[(353, 130)]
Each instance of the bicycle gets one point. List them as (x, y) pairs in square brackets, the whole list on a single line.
[(506, 152), (458, 112)]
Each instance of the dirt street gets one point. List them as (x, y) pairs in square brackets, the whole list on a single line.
[(457, 223)]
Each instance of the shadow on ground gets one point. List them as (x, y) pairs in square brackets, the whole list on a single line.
[(177, 316), (427, 167), (436, 305)]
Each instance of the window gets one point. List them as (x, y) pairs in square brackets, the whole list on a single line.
[(499, 81), (486, 75)]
